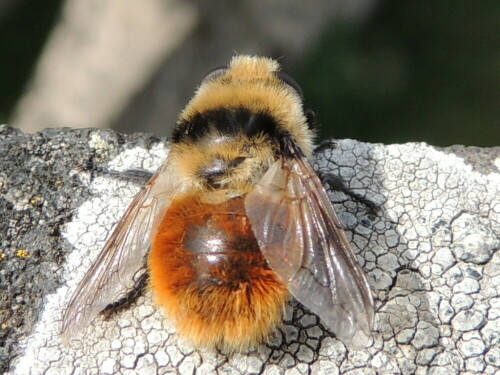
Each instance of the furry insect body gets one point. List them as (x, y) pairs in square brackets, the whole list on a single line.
[(209, 275), (207, 270)]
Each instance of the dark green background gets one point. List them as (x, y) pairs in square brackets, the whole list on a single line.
[(414, 71)]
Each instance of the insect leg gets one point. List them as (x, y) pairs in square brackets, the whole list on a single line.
[(137, 176), (130, 297), (338, 184), (325, 145)]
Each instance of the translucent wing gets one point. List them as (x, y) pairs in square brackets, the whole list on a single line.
[(303, 242), (123, 253)]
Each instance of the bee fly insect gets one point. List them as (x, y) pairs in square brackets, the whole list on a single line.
[(237, 221)]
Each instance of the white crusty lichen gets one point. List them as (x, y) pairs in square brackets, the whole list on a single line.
[(430, 253)]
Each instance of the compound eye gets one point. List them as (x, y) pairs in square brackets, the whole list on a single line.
[(214, 73), (290, 82)]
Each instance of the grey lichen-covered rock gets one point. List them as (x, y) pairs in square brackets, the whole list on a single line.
[(430, 254)]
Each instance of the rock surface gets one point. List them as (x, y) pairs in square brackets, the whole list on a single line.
[(430, 254)]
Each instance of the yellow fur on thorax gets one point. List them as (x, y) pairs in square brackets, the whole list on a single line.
[(250, 82), (188, 159)]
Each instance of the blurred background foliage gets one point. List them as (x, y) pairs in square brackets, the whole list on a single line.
[(24, 28), (406, 71), (414, 71)]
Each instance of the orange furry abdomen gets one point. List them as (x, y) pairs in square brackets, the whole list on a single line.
[(209, 275)]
